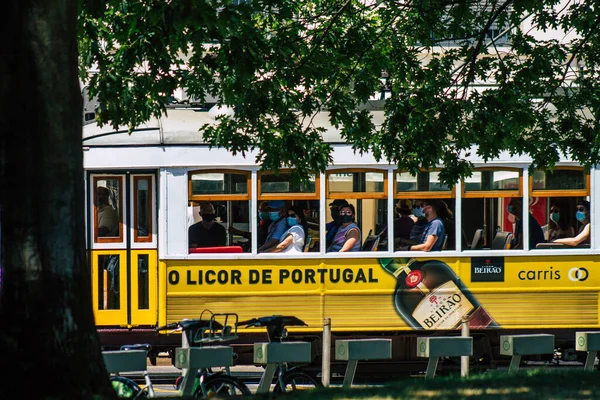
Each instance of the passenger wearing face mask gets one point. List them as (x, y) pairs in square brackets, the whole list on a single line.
[(263, 225), (207, 232), (420, 223), (583, 217), (332, 227), (557, 225), (403, 225), (347, 237), (277, 227), (536, 234), (292, 240)]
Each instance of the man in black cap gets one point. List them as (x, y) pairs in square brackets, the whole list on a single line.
[(583, 217), (332, 226)]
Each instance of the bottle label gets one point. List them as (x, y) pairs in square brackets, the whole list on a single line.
[(443, 308)]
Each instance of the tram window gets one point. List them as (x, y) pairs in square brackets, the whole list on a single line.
[(108, 282), (143, 282), (559, 195), (214, 231), (270, 183), (143, 209), (366, 192), (409, 219), (486, 220), (108, 205), (217, 183)]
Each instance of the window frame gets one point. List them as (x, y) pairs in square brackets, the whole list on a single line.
[(419, 194), (490, 194), (287, 196), (199, 198), (357, 195), (136, 237), (559, 192), (120, 179)]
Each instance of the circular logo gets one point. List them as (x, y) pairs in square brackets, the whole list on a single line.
[(341, 350), (581, 341), (413, 278), (506, 345), (578, 274), (182, 358), (259, 353), (422, 347)]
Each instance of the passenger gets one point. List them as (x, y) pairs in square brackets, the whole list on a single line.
[(263, 225), (332, 227), (536, 234), (420, 222), (207, 232), (108, 217), (434, 232), (347, 237), (557, 226), (292, 240), (277, 227), (583, 216), (403, 225)]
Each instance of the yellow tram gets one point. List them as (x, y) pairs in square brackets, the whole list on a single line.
[(145, 274)]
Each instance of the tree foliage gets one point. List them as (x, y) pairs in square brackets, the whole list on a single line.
[(455, 86)]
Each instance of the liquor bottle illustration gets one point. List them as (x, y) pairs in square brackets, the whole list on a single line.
[(429, 295)]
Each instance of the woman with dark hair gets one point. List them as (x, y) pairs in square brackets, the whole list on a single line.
[(583, 217), (292, 241), (347, 237), (557, 225)]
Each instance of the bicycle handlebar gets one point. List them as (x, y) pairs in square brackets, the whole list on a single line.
[(275, 325)]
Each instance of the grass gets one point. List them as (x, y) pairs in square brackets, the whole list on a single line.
[(526, 384)]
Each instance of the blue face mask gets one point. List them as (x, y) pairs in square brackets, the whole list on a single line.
[(510, 209), (263, 215), (418, 212), (555, 217), (274, 215), (580, 215), (291, 221)]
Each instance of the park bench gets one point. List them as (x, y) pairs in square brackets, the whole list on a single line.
[(361, 349), (436, 347), (525, 345)]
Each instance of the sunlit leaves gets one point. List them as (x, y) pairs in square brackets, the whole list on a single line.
[(451, 88)]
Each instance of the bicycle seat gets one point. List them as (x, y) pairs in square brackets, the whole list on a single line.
[(140, 346), (275, 325)]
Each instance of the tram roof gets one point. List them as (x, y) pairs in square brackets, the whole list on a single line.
[(180, 126)]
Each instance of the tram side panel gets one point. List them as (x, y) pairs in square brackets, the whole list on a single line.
[(396, 297)]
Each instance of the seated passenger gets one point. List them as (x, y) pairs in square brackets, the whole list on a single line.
[(347, 237), (292, 240), (403, 225), (583, 216), (207, 232), (420, 222), (332, 227), (434, 232), (557, 226), (263, 225), (536, 234), (277, 227)]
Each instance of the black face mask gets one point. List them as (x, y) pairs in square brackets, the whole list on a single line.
[(208, 217)]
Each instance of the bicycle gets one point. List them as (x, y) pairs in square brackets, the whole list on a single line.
[(289, 378), (197, 377)]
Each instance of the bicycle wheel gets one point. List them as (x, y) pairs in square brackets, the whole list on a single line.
[(126, 388), (221, 386), (298, 380)]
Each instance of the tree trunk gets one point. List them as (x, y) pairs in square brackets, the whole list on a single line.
[(48, 341)]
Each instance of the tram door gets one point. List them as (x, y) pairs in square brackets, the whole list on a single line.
[(123, 242)]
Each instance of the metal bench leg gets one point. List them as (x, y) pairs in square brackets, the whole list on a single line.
[(514, 364), (266, 379), (431, 367), (589, 361), (350, 371)]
